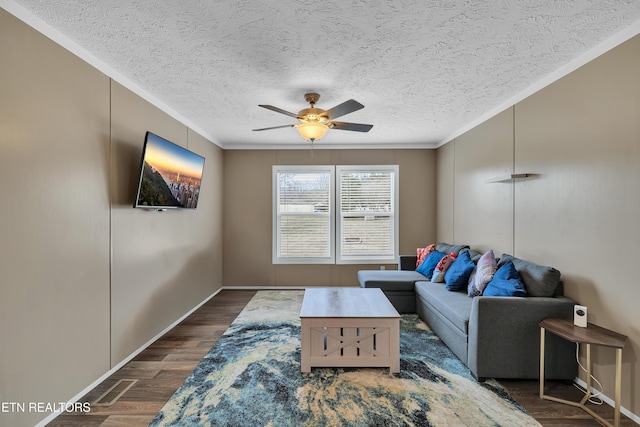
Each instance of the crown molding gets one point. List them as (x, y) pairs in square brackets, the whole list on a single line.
[(614, 41), (56, 36)]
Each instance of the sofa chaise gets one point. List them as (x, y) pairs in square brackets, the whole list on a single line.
[(495, 336)]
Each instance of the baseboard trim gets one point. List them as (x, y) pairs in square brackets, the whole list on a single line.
[(113, 370), (611, 402)]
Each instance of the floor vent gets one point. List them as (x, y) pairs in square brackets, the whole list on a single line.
[(112, 395)]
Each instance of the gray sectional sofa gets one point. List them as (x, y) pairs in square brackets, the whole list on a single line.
[(495, 336)]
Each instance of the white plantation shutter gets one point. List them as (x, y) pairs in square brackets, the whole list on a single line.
[(303, 217), (367, 213)]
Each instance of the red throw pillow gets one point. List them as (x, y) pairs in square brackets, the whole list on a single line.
[(423, 252), (446, 262), (441, 268)]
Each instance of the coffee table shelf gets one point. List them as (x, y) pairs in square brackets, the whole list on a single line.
[(349, 327)]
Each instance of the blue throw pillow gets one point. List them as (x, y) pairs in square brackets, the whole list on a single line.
[(506, 283), (429, 264), (457, 276)]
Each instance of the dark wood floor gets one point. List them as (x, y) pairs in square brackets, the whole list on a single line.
[(163, 367), (557, 414)]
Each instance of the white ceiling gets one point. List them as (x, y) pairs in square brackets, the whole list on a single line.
[(425, 70)]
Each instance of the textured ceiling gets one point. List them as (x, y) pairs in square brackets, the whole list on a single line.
[(423, 69)]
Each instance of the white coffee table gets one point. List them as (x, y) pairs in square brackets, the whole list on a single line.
[(349, 327)]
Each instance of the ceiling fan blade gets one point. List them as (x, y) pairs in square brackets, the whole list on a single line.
[(279, 110), (358, 127), (275, 127), (341, 109)]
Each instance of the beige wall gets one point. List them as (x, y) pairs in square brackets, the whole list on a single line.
[(54, 221), (580, 137), (163, 263), (85, 278), (445, 173), (483, 212), (248, 217)]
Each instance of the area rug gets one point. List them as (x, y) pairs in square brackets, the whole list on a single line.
[(251, 377)]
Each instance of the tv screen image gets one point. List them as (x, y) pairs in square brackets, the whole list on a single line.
[(170, 175)]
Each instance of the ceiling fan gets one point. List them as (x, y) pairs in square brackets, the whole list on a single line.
[(314, 122)]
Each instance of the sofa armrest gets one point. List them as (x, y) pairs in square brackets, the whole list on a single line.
[(504, 338), (407, 262)]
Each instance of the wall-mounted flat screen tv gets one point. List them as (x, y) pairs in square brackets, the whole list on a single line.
[(170, 175)]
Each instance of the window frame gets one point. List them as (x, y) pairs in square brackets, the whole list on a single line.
[(393, 214), (277, 215), (335, 216)]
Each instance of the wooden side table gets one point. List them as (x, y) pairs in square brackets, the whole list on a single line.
[(592, 334)]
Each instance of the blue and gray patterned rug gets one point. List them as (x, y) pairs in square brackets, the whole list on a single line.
[(251, 377)]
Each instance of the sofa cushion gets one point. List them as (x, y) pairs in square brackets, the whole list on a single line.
[(442, 267), (506, 283), (429, 264), (539, 280), (455, 306), (447, 248), (457, 276), (483, 273), (422, 253), (396, 280)]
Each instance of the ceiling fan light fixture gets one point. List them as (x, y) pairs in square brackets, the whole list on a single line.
[(312, 131), (314, 122)]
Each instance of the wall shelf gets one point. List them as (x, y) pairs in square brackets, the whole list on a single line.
[(509, 178)]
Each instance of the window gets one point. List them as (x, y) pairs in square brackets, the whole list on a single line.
[(367, 221), (303, 220), (360, 226)]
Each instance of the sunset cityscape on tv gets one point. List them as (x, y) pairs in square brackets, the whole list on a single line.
[(171, 175)]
